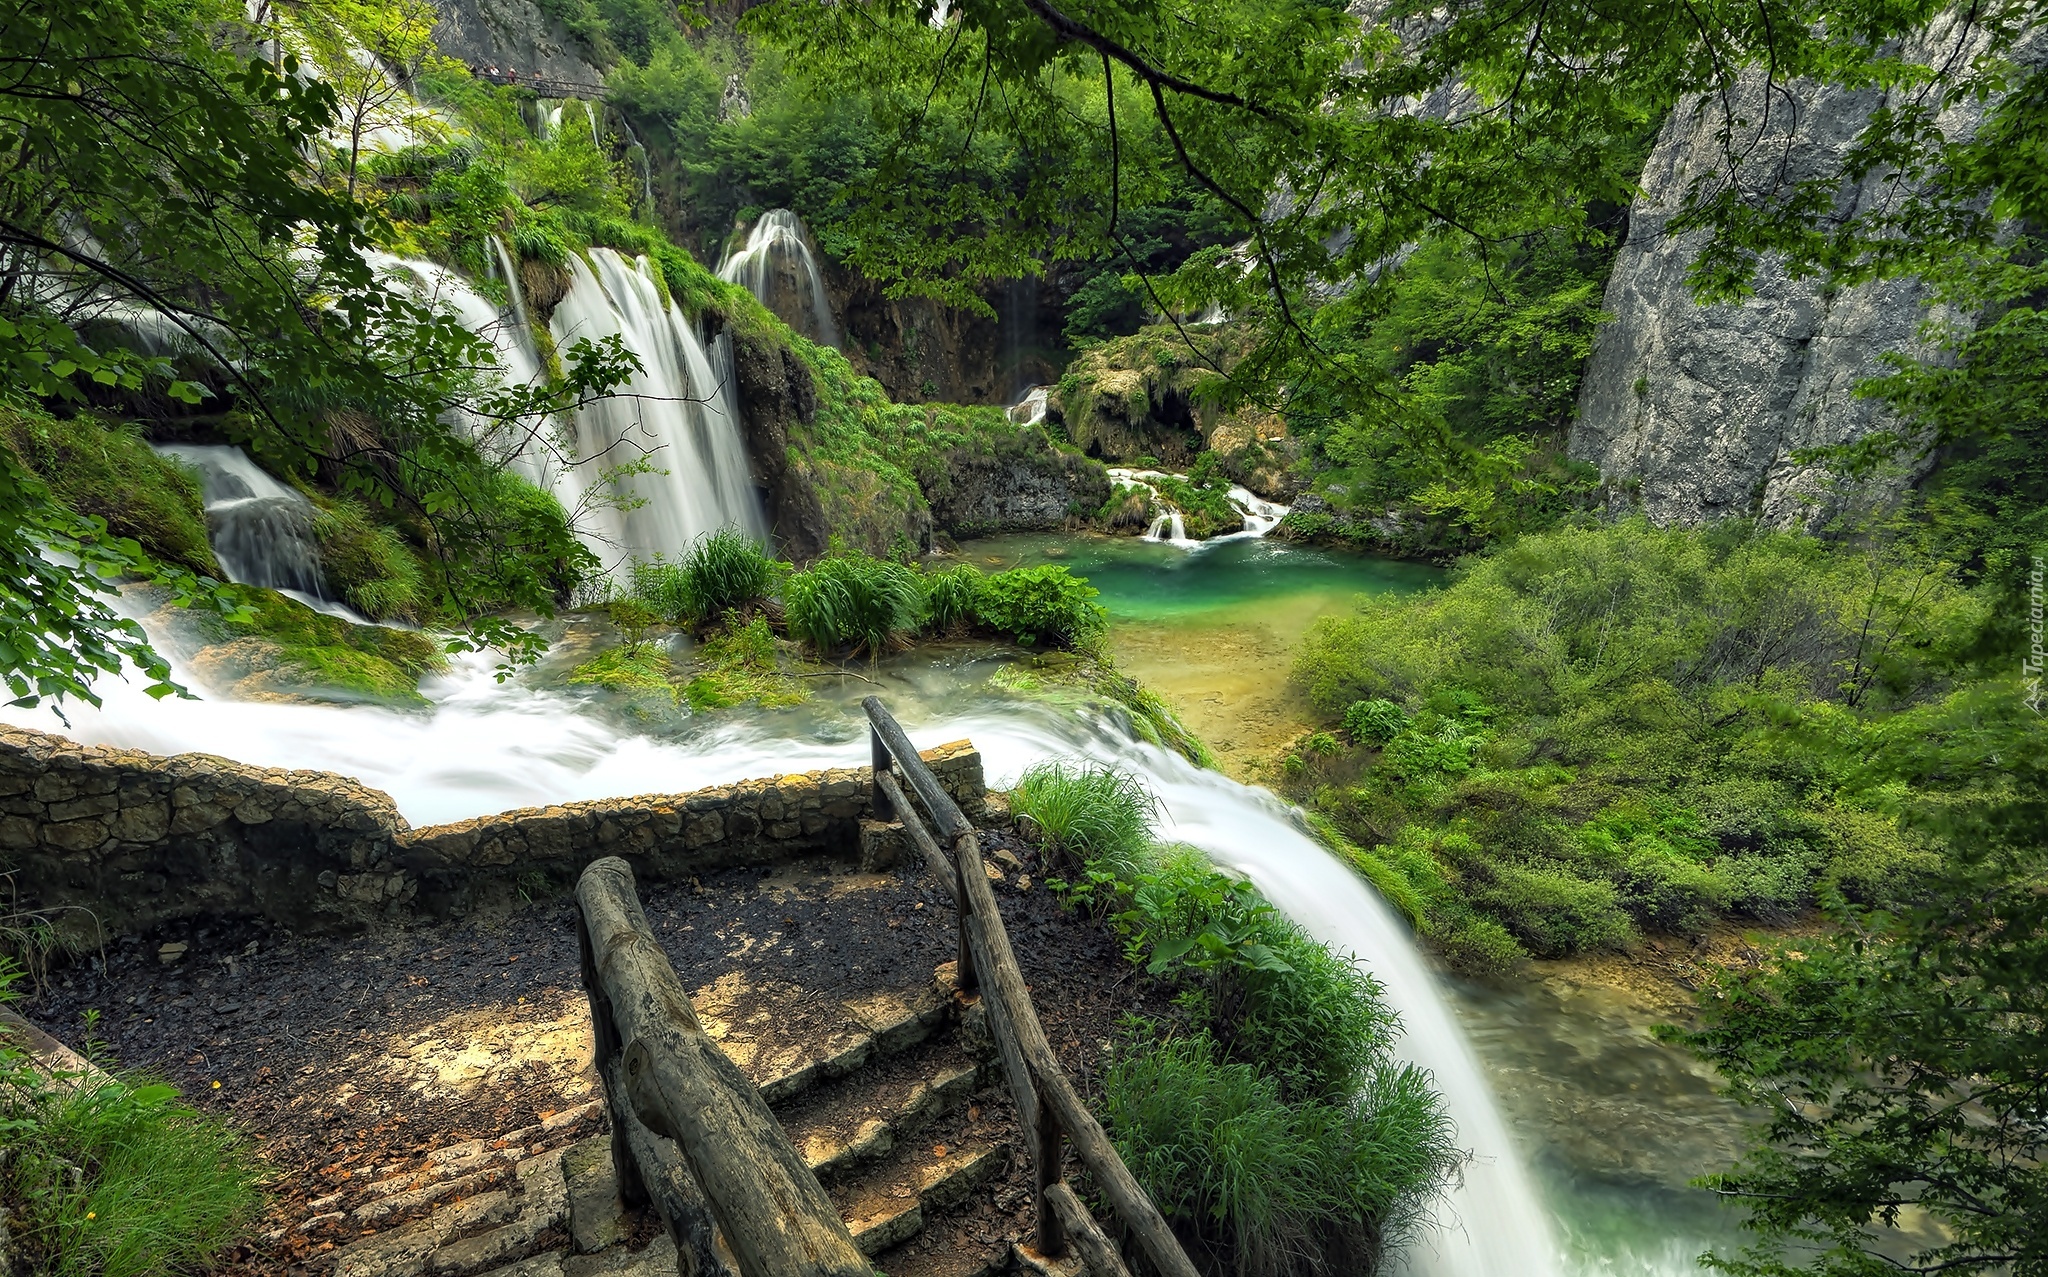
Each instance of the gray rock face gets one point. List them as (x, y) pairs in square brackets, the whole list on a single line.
[(1693, 413), (512, 35)]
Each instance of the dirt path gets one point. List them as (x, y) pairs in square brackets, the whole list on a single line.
[(346, 1057)]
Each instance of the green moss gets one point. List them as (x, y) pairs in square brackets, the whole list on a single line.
[(276, 646), (741, 668), (108, 470), (1149, 394), (629, 668), (368, 563)]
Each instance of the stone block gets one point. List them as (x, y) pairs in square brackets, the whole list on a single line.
[(90, 805), (76, 835), (144, 823), (883, 845)]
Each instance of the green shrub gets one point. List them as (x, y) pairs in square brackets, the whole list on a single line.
[(1374, 722), (951, 596), (1270, 1187), (725, 571), (1552, 910), (1095, 813), (853, 600), (1042, 604), (115, 1178), (368, 564), (633, 668)]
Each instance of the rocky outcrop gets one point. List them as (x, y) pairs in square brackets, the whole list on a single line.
[(1020, 490), (1694, 413), (1144, 397), (513, 36), (108, 841), (776, 395), (925, 352)]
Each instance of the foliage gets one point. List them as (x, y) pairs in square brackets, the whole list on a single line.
[(1264, 1185), (1588, 741), (1092, 812), (114, 1177), (266, 643), (853, 600), (1901, 1061), (368, 564), (629, 668), (103, 470), (1045, 603), (1374, 722), (1092, 678)]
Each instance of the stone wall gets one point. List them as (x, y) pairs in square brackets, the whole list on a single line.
[(113, 840)]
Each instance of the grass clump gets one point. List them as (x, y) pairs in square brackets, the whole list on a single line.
[(853, 601), (114, 1177), (629, 669), (1089, 811), (951, 597), (368, 564), (726, 571)]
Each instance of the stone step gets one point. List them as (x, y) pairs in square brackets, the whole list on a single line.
[(871, 1029), (910, 1186), (843, 1125)]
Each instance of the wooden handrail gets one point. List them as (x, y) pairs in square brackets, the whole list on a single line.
[(1048, 1106), (679, 1087)]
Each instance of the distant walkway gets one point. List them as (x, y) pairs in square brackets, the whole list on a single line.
[(539, 84)]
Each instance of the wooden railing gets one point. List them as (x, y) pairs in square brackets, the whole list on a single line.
[(690, 1133), (1048, 1107)]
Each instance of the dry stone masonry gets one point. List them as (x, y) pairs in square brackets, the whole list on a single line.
[(116, 840)]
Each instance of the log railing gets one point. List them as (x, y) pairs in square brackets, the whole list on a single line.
[(690, 1133), (1048, 1107)]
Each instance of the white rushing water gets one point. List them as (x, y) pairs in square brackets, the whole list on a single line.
[(1030, 410), (778, 268), (261, 530), (679, 414), (487, 747), (1260, 515)]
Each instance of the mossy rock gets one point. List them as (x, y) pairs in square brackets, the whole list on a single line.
[(280, 649), (1150, 394), (108, 469)]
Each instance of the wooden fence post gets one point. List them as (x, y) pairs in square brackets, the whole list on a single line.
[(965, 976), (1045, 1170), (879, 806)]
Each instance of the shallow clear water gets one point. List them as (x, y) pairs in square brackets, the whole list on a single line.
[(1214, 630)]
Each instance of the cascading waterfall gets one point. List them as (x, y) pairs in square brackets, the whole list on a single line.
[(777, 267), (487, 747), (261, 530), (1260, 515), (536, 451), (1030, 410), (678, 414)]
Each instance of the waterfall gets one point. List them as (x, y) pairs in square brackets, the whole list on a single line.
[(261, 530), (1260, 515), (778, 269), (487, 747), (1030, 410), (537, 452), (679, 414)]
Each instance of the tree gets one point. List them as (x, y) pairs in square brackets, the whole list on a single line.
[(1904, 1061), (159, 213)]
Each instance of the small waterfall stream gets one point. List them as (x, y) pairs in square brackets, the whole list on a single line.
[(1260, 515), (777, 267), (261, 530)]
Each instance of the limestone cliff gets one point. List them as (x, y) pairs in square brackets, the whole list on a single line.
[(514, 36), (1694, 413)]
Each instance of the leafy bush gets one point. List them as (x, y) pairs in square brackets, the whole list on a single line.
[(951, 597), (1272, 1187), (726, 571), (1093, 812), (115, 1178), (853, 600), (1374, 722), (1040, 604), (738, 667)]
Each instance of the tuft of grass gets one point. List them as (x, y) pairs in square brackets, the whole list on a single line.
[(1263, 1186), (114, 1177), (1095, 813), (632, 668), (855, 601), (368, 563), (726, 571), (739, 667), (950, 597)]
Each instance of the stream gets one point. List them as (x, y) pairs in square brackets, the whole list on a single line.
[(1583, 1128)]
